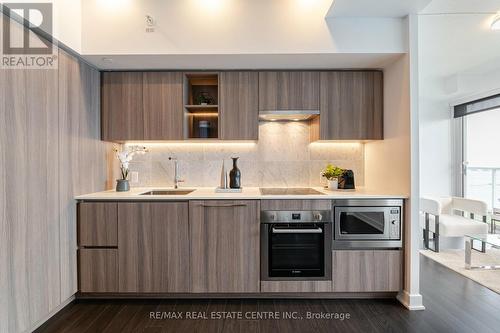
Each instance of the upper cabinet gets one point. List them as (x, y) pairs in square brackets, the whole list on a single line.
[(351, 106), (142, 106), (225, 105), (238, 111), (162, 105), (289, 90), (121, 106)]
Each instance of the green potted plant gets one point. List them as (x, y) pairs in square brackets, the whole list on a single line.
[(332, 174)]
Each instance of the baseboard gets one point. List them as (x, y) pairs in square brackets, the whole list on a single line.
[(270, 295), (51, 314), (411, 302)]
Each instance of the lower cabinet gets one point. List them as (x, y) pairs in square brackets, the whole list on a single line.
[(98, 270), (225, 243), (367, 270), (203, 246), (153, 247)]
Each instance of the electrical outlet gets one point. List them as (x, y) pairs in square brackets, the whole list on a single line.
[(134, 177)]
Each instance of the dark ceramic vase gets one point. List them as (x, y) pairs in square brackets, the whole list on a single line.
[(122, 185), (235, 175)]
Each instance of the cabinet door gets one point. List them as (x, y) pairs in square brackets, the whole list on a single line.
[(225, 242), (122, 108), (98, 270), (238, 106), (163, 106), (351, 106), (153, 247), (367, 271), (97, 224), (288, 90)]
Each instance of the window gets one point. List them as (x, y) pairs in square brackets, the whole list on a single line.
[(481, 156)]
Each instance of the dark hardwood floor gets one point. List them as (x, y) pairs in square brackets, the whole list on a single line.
[(453, 304)]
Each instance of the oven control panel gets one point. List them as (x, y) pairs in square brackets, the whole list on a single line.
[(394, 223), (303, 216)]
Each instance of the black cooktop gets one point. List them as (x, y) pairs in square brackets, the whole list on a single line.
[(289, 191)]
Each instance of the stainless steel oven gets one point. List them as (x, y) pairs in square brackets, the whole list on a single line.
[(296, 245), (368, 223)]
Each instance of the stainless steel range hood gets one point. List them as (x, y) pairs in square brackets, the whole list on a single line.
[(288, 115)]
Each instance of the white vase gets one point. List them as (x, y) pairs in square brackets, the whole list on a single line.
[(333, 184)]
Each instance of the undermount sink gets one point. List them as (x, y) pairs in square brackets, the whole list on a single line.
[(167, 192)]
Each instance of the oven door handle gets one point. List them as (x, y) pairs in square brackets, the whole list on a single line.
[(297, 231)]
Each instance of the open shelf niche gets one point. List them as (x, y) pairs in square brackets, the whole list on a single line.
[(201, 109)]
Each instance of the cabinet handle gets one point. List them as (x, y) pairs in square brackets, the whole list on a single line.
[(231, 205), (297, 231)]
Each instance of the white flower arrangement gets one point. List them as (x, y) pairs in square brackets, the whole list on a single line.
[(126, 155)]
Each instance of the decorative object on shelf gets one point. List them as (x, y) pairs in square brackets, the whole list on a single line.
[(204, 98), (235, 175), (204, 129), (346, 180), (332, 174), (223, 177), (125, 156)]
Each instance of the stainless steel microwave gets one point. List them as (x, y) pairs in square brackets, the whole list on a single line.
[(368, 223)]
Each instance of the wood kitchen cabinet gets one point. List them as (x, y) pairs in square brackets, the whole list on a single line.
[(367, 270), (351, 106), (98, 270), (289, 90), (238, 106), (163, 105), (97, 239), (97, 224), (153, 247), (142, 106), (224, 246), (122, 112)]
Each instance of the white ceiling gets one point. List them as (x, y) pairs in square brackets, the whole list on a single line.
[(243, 61), (377, 8), (462, 6)]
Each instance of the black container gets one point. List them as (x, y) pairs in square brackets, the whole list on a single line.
[(235, 175), (204, 129), (346, 181)]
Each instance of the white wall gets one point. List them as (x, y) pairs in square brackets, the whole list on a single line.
[(231, 27), (387, 162), (458, 56), (68, 23)]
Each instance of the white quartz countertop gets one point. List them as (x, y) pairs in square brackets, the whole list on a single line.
[(248, 193)]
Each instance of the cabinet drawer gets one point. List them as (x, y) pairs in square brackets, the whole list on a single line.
[(98, 270), (367, 270), (97, 224)]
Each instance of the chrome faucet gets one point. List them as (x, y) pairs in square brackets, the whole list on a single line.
[(177, 179)]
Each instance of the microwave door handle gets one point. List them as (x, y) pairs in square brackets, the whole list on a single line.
[(297, 231)]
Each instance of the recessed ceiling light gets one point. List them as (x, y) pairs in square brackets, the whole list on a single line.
[(495, 24)]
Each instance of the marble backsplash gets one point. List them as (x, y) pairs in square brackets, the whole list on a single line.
[(282, 157)]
